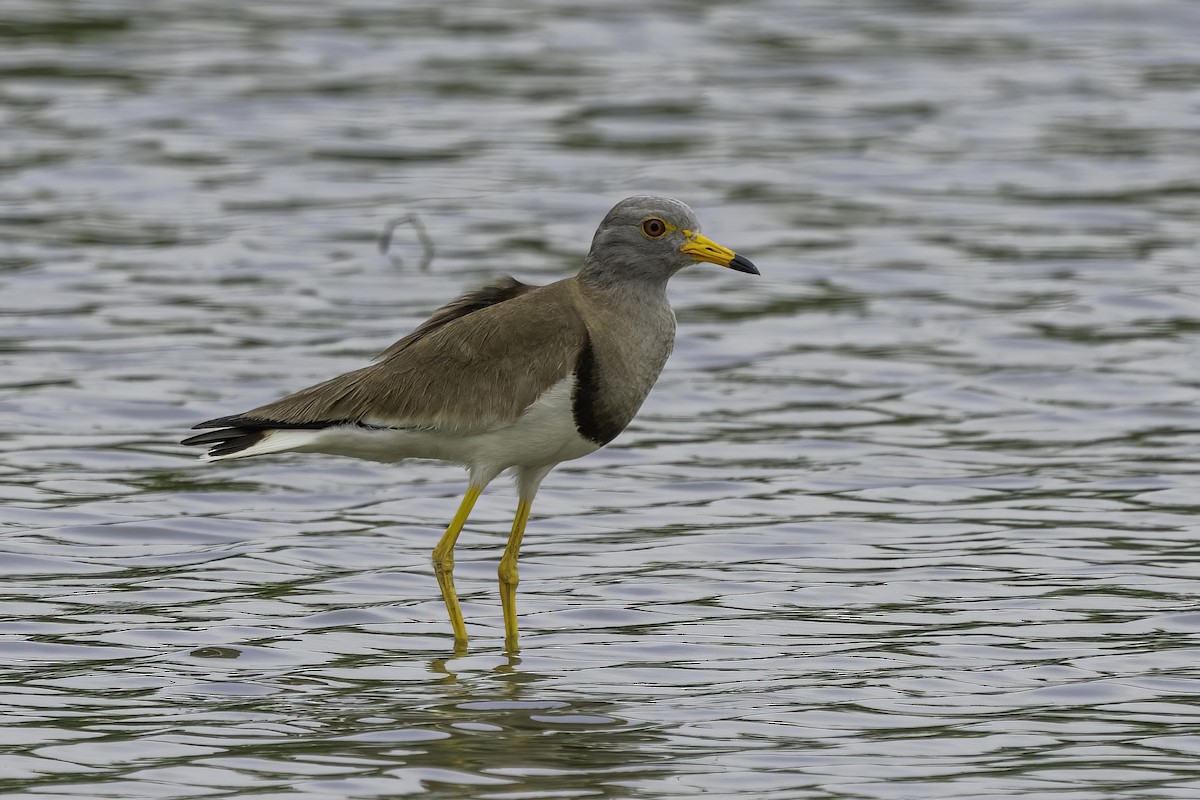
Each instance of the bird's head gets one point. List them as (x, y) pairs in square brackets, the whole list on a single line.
[(655, 237)]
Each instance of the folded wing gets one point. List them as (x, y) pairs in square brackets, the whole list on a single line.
[(475, 365)]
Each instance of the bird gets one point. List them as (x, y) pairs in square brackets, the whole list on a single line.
[(508, 377)]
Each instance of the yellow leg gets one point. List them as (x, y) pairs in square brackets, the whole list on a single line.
[(443, 562), (508, 574)]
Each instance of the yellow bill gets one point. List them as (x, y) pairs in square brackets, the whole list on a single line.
[(705, 249)]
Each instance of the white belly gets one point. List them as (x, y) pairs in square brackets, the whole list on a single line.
[(543, 436)]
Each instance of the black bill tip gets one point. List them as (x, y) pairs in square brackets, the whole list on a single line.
[(742, 264)]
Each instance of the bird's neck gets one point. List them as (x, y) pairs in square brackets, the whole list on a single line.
[(624, 283), (631, 310)]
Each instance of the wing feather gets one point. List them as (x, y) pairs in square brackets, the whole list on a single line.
[(477, 363)]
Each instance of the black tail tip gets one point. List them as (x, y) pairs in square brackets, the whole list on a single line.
[(225, 442)]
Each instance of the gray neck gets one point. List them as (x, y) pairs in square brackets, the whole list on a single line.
[(624, 282)]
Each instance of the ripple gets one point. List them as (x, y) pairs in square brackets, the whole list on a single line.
[(910, 515)]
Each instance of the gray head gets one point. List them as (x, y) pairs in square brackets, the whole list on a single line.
[(647, 239)]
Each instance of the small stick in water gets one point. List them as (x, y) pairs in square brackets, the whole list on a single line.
[(385, 240)]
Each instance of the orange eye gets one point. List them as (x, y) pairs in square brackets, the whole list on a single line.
[(654, 227)]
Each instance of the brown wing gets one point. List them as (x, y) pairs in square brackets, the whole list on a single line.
[(476, 363), (506, 287)]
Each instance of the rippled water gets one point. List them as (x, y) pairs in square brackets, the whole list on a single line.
[(912, 515)]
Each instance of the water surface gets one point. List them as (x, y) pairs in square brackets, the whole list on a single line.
[(912, 515)]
